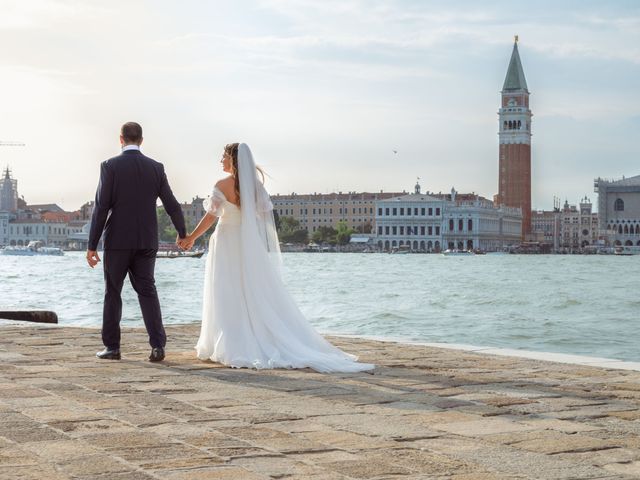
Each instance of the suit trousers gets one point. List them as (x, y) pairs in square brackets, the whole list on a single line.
[(140, 265)]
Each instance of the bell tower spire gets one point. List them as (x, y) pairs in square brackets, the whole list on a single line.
[(514, 133)]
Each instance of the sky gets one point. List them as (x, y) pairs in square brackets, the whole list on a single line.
[(323, 91)]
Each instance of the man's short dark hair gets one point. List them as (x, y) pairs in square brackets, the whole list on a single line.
[(131, 132)]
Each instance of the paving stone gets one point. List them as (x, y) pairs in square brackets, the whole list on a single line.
[(425, 413), (216, 473), (555, 442)]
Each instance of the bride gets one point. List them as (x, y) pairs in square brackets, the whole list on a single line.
[(248, 317)]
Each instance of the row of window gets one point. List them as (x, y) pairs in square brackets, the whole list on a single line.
[(626, 230), (400, 230), (393, 211), (460, 225), (29, 230), (323, 211)]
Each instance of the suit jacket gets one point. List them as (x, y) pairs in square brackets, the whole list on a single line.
[(125, 206)]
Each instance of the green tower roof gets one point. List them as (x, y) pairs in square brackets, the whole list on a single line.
[(515, 74)]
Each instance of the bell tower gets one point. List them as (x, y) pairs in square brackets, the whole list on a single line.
[(514, 133)]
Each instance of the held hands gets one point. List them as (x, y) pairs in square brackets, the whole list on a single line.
[(92, 258), (185, 243)]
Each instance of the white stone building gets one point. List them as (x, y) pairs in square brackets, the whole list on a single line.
[(434, 222), (477, 224), (619, 210), (51, 234), (412, 221)]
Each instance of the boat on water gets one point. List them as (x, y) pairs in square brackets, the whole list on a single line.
[(626, 250), (177, 254), (32, 249), (451, 253)]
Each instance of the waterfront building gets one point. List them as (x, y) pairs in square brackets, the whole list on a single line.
[(578, 226), (619, 210), (433, 222), (315, 210), (545, 227), (514, 162), (412, 221), (193, 211), (472, 222), (4, 228), (8, 192), (51, 234), (86, 210)]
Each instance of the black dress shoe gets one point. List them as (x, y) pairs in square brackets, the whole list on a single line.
[(157, 354), (109, 354)]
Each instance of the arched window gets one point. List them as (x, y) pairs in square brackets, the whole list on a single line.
[(429, 245), (510, 125), (638, 243), (504, 125), (401, 242), (470, 225), (460, 245), (617, 243), (519, 124), (436, 246), (638, 229), (394, 244), (386, 245), (469, 244), (422, 245), (620, 229), (619, 205), (626, 229), (628, 243), (451, 224)]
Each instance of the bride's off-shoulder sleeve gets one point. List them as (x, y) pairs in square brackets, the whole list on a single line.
[(214, 203)]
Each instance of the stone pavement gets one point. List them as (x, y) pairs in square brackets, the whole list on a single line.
[(426, 413)]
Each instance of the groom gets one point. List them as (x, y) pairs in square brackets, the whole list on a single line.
[(125, 208)]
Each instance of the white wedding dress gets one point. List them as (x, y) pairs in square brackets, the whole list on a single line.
[(248, 317)]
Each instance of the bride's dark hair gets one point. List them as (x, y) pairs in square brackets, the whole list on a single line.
[(231, 149)]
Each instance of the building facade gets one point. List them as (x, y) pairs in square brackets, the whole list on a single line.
[(193, 211), (51, 234), (477, 224), (619, 210), (578, 227), (545, 227), (8, 192), (315, 210), (4, 228), (514, 162), (434, 222), (412, 221)]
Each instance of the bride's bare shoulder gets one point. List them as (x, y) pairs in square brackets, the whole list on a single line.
[(225, 183)]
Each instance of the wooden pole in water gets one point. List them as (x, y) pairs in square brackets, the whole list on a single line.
[(38, 316)]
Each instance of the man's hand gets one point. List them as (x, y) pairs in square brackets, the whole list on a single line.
[(92, 258), (185, 243)]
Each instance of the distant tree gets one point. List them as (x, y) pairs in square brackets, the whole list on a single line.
[(168, 233), (325, 234), (343, 233), (291, 232)]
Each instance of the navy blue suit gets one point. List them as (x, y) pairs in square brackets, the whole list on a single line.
[(125, 210)]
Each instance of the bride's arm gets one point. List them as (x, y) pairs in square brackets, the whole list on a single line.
[(205, 224)]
